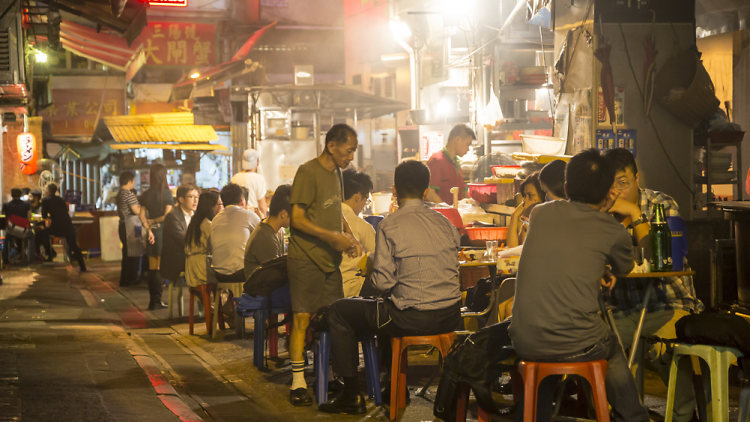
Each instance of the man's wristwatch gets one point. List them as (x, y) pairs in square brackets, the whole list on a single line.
[(641, 220)]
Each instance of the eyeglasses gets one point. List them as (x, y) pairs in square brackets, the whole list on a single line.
[(368, 202), (192, 197), (623, 182)]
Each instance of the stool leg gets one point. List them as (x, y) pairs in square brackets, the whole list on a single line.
[(530, 386), (671, 387), (260, 317), (207, 309), (169, 296), (462, 404), (600, 393), (402, 379), (321, 366), (190, 315), (744, 397), (720, 386), (395, 376), (273, 336), (370, 349)]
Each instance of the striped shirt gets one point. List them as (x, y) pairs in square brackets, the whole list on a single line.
[(125, 200), (670, 292), (416, 257)]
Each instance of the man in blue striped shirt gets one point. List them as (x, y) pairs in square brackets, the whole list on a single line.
[(416, 266)]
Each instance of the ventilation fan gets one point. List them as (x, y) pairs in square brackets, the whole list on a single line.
[(49, 171)]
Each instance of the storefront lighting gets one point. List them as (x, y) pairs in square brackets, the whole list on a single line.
[(400, 29), (40, 57), (195, 75), (303, 74), (393, 57), (443, 107)]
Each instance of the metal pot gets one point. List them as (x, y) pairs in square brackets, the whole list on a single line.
[(515, 109), (420, 117)]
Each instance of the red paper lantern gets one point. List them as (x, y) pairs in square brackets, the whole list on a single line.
[(26, 143)]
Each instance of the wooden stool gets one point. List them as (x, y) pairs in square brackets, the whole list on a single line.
[(399, 345), (205, 292), (534, 372)]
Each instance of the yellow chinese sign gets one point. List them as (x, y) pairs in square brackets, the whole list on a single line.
[(181, 44)]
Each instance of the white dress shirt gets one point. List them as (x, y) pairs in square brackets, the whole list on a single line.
[(350, 272), (230, 230)]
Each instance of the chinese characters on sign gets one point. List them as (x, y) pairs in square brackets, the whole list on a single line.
[(26, 143), (74, 111), (172, 43)]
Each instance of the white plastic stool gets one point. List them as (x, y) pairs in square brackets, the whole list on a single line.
[(718, 360)]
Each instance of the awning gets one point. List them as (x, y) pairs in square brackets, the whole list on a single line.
[(109, 50), (158, 130), (13, 95)]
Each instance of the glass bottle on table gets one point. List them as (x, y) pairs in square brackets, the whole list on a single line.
[(661, 241)]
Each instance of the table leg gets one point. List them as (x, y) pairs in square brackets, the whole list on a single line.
[(634, 345)]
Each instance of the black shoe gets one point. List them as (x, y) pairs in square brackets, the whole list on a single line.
[(352, 405), (334, 387), (157, 305), (300, 397)]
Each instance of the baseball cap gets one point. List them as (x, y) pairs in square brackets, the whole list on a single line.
[(250, 159)]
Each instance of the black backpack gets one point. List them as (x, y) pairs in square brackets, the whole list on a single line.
[(268, 277), (477, 361), (715, 328)]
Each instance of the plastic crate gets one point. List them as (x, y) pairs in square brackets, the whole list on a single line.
[(484, 193), (480, 235)]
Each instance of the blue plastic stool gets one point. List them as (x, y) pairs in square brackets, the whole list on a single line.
[(321, 351)]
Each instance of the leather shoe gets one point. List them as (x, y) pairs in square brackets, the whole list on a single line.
[(300, 397), (157, 305), (352, 405), (334, 387)]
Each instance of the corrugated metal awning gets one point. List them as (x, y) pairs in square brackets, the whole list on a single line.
[(158, 130)]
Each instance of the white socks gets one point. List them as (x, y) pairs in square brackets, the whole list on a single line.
[(298, 375)]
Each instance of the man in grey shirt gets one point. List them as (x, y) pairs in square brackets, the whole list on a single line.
[(556, 312), (416, 260), (265, 242)]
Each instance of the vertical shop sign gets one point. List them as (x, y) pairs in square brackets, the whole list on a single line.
[(178, 43), (604, 118), (27, 154)]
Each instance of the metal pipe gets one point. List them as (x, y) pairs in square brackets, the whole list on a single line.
[(412, 72)]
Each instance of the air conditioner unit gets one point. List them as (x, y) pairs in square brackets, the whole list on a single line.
[(11, 48)]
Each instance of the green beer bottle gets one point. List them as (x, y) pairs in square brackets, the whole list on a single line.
[(661, 241)]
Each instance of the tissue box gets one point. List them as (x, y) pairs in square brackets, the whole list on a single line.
[(508, 265)]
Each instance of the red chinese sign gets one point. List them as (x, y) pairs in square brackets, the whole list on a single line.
[(74, 111), (27, 155), (173, 3), (178, 43)]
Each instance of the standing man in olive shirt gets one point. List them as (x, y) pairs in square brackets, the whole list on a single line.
[(319, 234)]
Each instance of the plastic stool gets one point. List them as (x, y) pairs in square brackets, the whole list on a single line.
[(261, 316), (180, 304), (534, 372), (719, 359), (321, 351), (204, 290), (399, 345), (744, 397)]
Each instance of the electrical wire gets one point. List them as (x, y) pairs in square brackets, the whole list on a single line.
[(651, 120)]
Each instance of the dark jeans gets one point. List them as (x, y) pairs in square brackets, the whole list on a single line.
[(620, 385), (74, 252), (130, 265), (238, 277), (354, 316)]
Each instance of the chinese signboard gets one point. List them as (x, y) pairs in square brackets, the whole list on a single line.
[(74, 111), (26, 143), (173, 3), (178, 43)]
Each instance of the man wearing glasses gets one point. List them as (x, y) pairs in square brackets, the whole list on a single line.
[(357, 189), (673, 297), (175, 226)]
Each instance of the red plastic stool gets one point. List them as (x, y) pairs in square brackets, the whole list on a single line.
[(205, 291), (399, 345), (533, 373)]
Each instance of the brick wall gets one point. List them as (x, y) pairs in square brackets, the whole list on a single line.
[(12, 176)]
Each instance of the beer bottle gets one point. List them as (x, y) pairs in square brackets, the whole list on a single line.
[(661, 241)]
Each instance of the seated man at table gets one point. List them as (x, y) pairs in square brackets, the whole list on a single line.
[(357, 189), (175, 227), (416, 261), (61, 225), (267, 242), (18, 208), (672, 298), (556, 309), (230, 230)]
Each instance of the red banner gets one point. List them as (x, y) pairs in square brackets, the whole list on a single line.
[(178, 43), (74, 111)]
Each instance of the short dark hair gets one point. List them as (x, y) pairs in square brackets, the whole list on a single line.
[(16, 193), (621, 159), (588, 177), (245, 193), (338, 133), (356, 182), (231, 194), (553, 176), (186, 188), (126, 177), (52, 188), (461, 130), (411, 179), (281, 201), (533, 180)]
